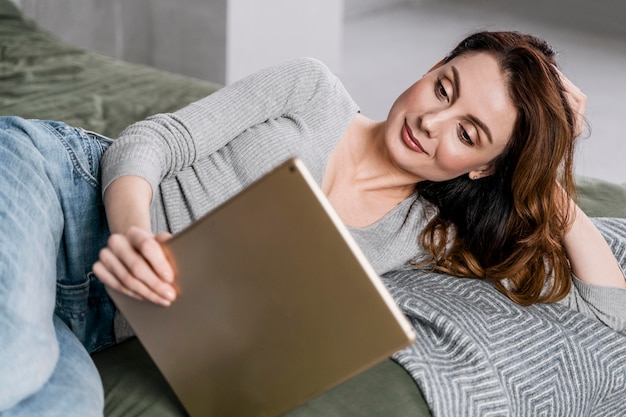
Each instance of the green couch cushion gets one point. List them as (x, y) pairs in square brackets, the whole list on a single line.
[(134, 386), (385, 390), (8, 9), (600, 198)]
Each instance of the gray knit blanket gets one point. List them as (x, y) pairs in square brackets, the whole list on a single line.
[(479, 354)]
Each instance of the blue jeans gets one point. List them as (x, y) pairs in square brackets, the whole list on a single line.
[(53, 311)]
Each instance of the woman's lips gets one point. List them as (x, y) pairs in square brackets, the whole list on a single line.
[(410, 140)]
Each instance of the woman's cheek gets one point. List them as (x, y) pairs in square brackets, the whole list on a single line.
[(451, 159)]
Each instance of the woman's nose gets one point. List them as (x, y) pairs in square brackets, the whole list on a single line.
[(430, 123)]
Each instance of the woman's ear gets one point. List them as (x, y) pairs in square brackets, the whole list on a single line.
[(482, 172)]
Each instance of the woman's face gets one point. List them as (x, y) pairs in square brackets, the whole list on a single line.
[(453, 121)]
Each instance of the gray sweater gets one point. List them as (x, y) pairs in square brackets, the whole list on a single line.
[(203, 154)]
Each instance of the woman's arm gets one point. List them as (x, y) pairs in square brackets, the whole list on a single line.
[(590, 256), (127, 202), (167, 143), (133, 261), (598, 285)]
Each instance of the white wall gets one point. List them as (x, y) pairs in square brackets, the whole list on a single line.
[(189, 37), (607, 17), (261, 33), (358, 7)]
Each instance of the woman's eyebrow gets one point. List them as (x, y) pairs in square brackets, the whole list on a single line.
[(456, 85)]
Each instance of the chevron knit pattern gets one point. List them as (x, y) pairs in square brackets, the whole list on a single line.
[(479, 354)]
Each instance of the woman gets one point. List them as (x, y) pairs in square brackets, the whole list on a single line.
[(471, 120), (485, 137)]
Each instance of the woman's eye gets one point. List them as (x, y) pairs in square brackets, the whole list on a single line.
[(440, 90), (465, 137)]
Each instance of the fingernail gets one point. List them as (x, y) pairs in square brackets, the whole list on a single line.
[(170, 295)]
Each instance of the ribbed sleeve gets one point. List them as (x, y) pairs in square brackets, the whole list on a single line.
[(202, 154)]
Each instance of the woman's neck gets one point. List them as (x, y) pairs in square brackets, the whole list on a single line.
[(368, 162), (360, 181)]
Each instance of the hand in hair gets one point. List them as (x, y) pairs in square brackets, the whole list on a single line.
[(577, 101)]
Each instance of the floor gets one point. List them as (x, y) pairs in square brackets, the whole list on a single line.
[(388, 49)]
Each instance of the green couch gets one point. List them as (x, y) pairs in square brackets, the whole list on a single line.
[(43, 77)]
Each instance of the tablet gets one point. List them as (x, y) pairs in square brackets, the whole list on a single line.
[(277, 303)]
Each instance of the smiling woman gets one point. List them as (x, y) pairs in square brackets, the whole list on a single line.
[(475, 157)]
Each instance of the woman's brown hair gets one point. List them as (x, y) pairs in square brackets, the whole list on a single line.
[(508, 227)]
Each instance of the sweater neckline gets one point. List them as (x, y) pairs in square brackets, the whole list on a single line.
[(393, 216)]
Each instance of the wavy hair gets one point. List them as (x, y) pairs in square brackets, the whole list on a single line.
[(508, 227)]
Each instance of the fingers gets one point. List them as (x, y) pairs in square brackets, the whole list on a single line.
[(163, 237), (150, 248), (577, 101), (134, 263)]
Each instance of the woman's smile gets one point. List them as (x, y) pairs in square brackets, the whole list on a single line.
[(410, 140)]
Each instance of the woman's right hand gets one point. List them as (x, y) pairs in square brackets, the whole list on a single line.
[(135, 264)]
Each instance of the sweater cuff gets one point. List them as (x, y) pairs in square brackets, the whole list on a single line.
[(605, 303), (140, 166)]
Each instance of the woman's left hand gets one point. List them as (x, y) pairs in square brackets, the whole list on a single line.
[(577, 101), (135, 264)]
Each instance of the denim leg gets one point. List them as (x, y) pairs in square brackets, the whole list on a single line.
[(44, 170), (74, 389), (81, 300), (31, 227)]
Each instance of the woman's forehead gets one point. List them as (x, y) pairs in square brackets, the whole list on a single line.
[(473, 59), (483, 91)]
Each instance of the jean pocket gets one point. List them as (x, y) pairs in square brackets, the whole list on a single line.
[(87, 310), (103, 141), (94, 145), (72, 301)]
